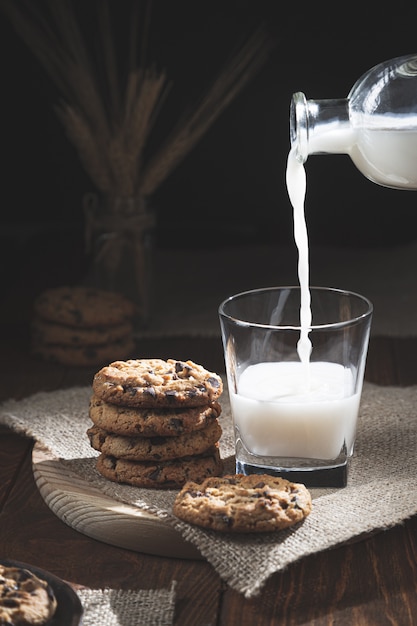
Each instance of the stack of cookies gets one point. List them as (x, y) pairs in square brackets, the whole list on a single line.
[(155, 422), (82, 326)]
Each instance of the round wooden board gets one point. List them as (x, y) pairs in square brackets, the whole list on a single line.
[(87, 510)]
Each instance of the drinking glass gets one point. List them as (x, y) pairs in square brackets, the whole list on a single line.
[(295, 417)]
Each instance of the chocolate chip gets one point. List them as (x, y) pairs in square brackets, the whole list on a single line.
[(194, 494), (155, 474), (150, 391), (182, 369), (296, 501), (132, 391), (213, 382), (10, 603), (225, 520), (176, 424)]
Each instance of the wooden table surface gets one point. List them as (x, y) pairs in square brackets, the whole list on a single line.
[(372, 581)]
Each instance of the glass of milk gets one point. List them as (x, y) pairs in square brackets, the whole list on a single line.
[(295, 391)]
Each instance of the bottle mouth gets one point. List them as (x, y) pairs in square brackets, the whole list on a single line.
[(299, 126)]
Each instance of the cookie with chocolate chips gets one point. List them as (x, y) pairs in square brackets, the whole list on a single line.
[(24, 597), (83, 355), (157, 383), (151, 422), (245, 504), (49, 333), (171, 474), (82, 326), (154, 448), (84, 307)]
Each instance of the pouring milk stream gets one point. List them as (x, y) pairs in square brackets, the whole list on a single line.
[(376, 125)]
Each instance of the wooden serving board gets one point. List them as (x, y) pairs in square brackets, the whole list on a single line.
[(85, 509)]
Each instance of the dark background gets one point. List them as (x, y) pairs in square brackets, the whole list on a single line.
[(231, 188)]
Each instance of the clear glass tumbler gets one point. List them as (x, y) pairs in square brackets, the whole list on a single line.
[(293, 417)]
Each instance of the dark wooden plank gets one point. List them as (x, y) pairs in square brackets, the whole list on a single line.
[(381, 367), (404, 355), (370, 582), (13, 450), (22, 373), (392, 361)]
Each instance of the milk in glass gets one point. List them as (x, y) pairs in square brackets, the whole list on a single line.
[(278, 415)]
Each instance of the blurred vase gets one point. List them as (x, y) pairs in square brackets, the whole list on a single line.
[(119, 244)]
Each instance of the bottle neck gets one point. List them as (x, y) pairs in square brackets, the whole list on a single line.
[(319, 126)]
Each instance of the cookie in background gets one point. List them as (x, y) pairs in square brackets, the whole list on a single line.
[(82, 326)]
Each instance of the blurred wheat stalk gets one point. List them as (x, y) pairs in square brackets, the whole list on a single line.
[(109, 122)]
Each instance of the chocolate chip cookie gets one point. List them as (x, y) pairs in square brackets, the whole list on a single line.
[(85, 307), (161, 474), (157, 383), (24, 598), (245, 504), (49, 333), (154, 448), (83, 355), (137, 422), (82, 326)]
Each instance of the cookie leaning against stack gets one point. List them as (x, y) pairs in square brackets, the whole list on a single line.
[(249, 504), (155, 422), (82, 326)]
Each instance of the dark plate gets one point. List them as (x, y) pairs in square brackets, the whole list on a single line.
[(69, 609)]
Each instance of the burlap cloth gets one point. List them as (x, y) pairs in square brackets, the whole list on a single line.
[(380, 493), (188, 305), (114, 607)]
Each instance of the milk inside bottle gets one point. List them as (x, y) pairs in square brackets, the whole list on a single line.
[(376, 124)]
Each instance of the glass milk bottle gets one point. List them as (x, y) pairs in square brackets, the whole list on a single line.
[(376, 125)]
